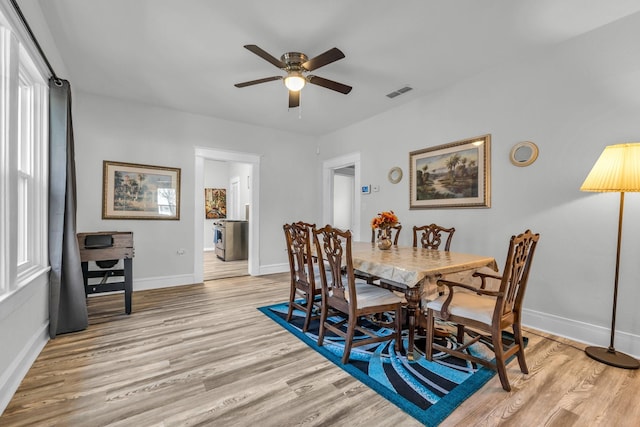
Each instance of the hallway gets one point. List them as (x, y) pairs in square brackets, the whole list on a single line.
[(215, 268)]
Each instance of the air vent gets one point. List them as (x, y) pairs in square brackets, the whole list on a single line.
[(399, 92)]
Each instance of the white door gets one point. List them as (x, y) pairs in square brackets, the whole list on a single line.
[(233, 204), (343, 198)]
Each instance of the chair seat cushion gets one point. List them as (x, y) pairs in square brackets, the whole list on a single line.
[(370, 295), (467, 305)]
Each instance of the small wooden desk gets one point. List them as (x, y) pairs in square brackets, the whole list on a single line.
[(121, 248), (415, 271)]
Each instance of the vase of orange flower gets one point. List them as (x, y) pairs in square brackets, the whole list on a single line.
[(384, 221)]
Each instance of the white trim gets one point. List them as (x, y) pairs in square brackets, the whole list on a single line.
[(274, 268), (581, 332), (328, 167), (149, 283), (8, 68), (14, 22), (17, 370), (202, 153), (34, 235), (19, 296)]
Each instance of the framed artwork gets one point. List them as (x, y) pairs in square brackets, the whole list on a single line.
[(215, 203), (455, 175), (133, 191)]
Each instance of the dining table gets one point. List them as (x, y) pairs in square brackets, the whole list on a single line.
[(415, 272)]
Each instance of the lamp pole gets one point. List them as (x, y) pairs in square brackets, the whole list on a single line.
[(609, 355)]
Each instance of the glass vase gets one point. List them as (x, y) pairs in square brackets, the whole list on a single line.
[(384, 239)]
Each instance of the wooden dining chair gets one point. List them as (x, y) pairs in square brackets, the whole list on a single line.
[(305, 288), (431, 236), (488, 313), (355, 300)]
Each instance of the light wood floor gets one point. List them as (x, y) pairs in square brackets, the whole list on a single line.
[(215, 268), (203, 355)]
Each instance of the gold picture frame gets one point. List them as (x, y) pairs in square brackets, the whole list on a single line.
[(135, 191), (454, 175)]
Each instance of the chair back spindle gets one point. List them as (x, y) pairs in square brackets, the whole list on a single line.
[(334, 245), (299, 236), (431, 236), (516, 273)]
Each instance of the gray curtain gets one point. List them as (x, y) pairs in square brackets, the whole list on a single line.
[(67, 301)]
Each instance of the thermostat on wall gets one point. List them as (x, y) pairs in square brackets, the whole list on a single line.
[(366, 189)]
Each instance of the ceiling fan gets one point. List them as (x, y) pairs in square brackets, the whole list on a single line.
[(297, 65)]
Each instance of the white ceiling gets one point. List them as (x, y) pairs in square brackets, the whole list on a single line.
[(187, 54)]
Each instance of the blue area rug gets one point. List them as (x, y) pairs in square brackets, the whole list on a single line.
[(428, 391)]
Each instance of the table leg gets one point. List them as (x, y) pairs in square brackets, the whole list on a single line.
[(413, 304)]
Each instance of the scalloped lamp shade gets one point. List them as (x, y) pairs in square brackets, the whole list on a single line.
[(617, 169)]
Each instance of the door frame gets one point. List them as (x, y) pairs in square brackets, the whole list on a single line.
[(328, 168), (202, 154)]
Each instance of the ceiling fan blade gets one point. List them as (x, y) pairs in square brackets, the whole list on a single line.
[(255, 82), (329, 84), (294, 99), (266, 56), (323, 59)]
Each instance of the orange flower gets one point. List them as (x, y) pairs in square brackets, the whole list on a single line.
[(384, 219)]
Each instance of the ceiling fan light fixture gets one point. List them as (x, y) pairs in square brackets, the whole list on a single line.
[(295, 81)]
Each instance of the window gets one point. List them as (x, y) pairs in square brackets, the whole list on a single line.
[(30, 169), (23, 162), (25, 178)]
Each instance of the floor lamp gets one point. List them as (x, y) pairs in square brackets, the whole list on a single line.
[(617, 169)]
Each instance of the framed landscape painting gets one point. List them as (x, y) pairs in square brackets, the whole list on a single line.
[(133, 191), (455, 175)]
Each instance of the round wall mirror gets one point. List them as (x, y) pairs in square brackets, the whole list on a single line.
[(395, 175), (524, 153)]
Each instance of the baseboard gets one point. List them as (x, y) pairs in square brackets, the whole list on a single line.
[(162, 282), (581, 332), (188, 279), (15, 373), (273, 269)]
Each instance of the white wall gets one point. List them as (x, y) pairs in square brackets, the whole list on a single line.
[(109, 129), (571, 101)]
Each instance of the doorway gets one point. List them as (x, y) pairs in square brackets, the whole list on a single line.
[(252, 164), (225, 227), (343, 197), (336, 206)]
